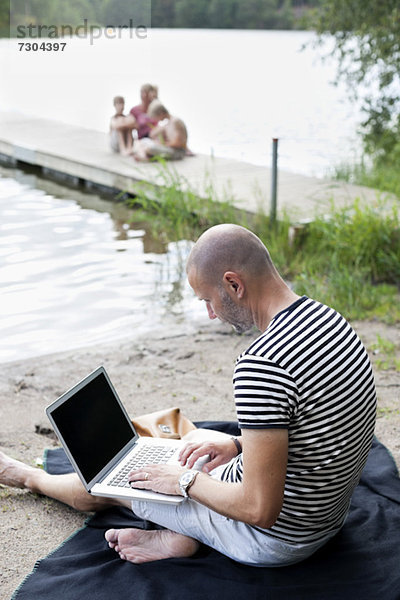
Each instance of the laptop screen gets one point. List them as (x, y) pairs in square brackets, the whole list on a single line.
[(93, 425)]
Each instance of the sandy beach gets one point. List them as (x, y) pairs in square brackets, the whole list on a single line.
[(165, 369)]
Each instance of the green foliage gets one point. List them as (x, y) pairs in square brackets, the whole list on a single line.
[(380, 172), (191, 13), (176, 212), (163, 13), (253, 14), (278, 240), (366, 33), (350, 261), (51, 12), (4, 17), (367, 43), (226, 14), (382, 144), (383, 345), (352, 294), (386, 412), (386, 352), (365, 238), (265, 14), (121, 12), (222, 13), (384, 177)]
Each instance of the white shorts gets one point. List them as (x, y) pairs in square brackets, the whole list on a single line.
[(114, 141), (235, 539)]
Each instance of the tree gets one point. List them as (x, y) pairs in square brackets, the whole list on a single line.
[(4, 17), (367, 43), (162, 13), (191, 13), (50, 12), (121, 12), (222, 13)]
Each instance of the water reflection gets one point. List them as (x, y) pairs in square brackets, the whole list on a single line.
[(123, 218), (76, 270)]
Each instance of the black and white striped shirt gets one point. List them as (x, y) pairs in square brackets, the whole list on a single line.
[(309, 373)]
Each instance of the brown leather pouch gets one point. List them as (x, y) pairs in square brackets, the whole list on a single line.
[(169, 423)]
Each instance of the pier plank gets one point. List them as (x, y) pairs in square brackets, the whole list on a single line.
[(85, 154)]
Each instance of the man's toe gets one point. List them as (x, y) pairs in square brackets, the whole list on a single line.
[(111, 536)]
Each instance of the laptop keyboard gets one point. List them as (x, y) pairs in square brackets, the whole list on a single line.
[(149, 455)]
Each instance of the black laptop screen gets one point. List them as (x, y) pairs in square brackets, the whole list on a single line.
[(93, 426)]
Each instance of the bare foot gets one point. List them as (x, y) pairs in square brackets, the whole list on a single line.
[(15, 473), (66, 488), (138, 546)]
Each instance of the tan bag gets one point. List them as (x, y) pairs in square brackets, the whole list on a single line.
[(169, 423)]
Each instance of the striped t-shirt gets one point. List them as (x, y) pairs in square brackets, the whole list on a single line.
[(309, 373)]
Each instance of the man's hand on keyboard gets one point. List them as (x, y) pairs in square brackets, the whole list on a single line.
[(158, 478)]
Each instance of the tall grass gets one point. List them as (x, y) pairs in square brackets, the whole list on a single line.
[(385, 178), (365, 238), (349, 260), (374, 174), (175, 210)]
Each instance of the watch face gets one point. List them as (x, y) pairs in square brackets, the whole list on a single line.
[(185, 481), (186, 478)]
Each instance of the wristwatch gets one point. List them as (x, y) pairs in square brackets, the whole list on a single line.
[(186, 481)]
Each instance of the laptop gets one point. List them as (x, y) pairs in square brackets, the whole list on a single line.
[(101, 441)]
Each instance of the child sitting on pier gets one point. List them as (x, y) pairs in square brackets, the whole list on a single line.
[(166, 140), (120, 136), (139, 120)]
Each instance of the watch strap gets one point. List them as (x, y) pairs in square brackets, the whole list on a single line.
[(237, 444), (184, 487)]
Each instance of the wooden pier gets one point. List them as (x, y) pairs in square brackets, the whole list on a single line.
[(77, 155)]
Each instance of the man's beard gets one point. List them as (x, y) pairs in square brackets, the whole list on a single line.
[(240, 318)]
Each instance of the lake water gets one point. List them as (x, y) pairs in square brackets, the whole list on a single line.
[(234, 89), (72, 270)]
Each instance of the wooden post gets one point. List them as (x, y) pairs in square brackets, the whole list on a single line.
[(274, 181)]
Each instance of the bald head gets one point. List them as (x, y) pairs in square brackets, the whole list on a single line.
[(229, 248)]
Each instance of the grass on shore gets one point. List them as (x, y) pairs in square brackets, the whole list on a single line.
[(176, 212), (350, 261), (384, 177), (387, 352)]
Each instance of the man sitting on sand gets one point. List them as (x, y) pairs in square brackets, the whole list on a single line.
[(305, 402), (166, 140)]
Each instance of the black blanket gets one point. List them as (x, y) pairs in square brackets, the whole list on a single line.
[(361, 562)]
